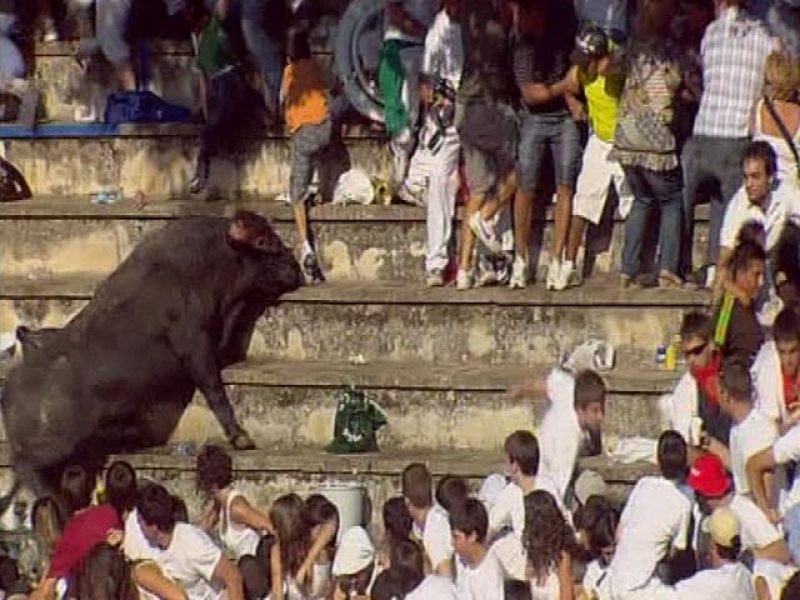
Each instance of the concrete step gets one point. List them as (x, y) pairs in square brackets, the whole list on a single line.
[(398, 320), (65, 236), (265, 474), (436, 406)]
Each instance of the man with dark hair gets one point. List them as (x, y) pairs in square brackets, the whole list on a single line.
[(776, 372), (693, 407), (451, 492), (408, 562), (758, 201), (188, 556), (522, 469), (655, 521), (574, 420), (480, 575), (752, 432), (738, 334), (430, 521)]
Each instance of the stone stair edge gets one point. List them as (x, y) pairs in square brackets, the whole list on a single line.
[(155, 48), (81, 207), (315, 461), (599, 291)]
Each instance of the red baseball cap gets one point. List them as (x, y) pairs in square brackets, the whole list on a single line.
[(709, 477)]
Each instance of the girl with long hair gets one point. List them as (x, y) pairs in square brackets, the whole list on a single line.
[(550, 545), (289, 554)]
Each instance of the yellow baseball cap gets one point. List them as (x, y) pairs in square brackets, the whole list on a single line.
[(724, 526)]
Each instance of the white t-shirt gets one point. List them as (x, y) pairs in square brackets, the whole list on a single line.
[(768, 382), (484, 582), (437, 538), (756, 433), (787, 447), (422, 11), (190, 561), (137, 549), (593, 577), (444, 50), (560, 435), (510, 506), (756, 530), (511, 555), (731, 581), (740, 211), (655, 519), (434, 587)]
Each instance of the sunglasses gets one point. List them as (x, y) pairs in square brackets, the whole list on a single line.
[(696, 350)]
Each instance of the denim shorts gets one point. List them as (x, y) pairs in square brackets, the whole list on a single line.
[(556, 132), (488, 133)]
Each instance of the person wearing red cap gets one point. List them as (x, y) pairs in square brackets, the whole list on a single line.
[(712, 486)]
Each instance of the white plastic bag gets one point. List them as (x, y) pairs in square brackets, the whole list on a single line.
[(353, 187)]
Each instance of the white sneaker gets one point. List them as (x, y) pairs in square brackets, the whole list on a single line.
[(435, 278), (463, 280), (565, 273), (486, 273), (553, 274), (409, 197), (519, 274)]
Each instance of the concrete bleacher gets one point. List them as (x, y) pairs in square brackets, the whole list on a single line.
[(438, 361)]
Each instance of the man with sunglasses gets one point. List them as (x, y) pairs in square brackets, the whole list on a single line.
[(693, 409)]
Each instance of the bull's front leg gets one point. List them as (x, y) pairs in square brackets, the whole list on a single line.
[(205, 371)]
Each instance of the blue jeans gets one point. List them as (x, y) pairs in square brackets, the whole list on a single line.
[(713, 166), (651, 189), (557, 133), (265, 50)]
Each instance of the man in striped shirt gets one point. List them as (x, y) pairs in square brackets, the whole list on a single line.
[(733, 53)]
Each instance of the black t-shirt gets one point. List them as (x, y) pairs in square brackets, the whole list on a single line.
[(545, 59), (715, 424), (744, 338)]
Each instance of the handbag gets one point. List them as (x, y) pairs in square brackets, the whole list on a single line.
[(355, 424), (784, 133)]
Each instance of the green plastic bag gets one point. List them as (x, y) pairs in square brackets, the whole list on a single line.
[(356, 423)]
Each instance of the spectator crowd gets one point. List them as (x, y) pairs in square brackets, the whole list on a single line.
[(653, 109)]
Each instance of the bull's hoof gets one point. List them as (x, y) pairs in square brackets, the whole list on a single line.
[(242, 441)]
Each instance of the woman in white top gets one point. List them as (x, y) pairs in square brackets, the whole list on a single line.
[(781, 84), (550, 544)]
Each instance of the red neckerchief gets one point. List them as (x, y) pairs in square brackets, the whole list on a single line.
[(707, 378), (790, 392)]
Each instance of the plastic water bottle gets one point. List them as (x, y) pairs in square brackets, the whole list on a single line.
[(661, 356), (106, 196)]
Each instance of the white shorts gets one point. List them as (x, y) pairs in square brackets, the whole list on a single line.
[(596, 176)]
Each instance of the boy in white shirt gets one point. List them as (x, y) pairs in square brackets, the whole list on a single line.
[(522, 468), (712, 486), (188, 556), (407, 560), (576, 411), (480, 576), (655, 521), (728, 578), (776, 372), (752, 432), (430, 521)]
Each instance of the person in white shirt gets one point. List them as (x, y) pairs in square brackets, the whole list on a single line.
[(752, 431), (655, 521), (522, 469), (693, 407), (728, 578), (479, 574), (776, 372), (712, 486), (188, 556), (577, 408), (596, 523), (433, 172), (354, 567), (430, 521), (408, 562), (754, 202)]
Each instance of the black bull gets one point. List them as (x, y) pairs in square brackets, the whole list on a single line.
[(179, 309)]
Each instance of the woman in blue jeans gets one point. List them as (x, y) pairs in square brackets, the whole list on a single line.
[(644, 143)]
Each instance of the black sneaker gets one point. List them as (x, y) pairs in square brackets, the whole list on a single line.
[(311, 269)]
